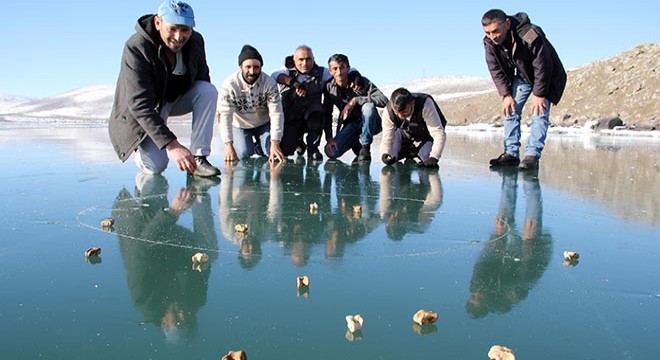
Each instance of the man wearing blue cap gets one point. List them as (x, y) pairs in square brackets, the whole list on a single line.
[(164, 72)]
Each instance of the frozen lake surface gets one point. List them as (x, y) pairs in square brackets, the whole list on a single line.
[(483, 249)]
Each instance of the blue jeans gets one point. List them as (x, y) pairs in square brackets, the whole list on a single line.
[(248, 142), (521, 92), (363, 130)]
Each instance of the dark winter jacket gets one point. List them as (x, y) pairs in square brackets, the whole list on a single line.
[(336, 96), (532, 57), (141, 86)]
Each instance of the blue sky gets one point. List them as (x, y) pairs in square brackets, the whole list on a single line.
[(53, 46)]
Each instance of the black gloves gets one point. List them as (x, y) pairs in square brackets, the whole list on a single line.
[(388, 159), (430, 163)]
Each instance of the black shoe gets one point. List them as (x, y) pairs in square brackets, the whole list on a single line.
[(365, 153), (204, 168), (505, 160), (300, 149), (314, 155), (530, 162)]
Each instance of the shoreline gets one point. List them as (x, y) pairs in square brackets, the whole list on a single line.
[(470, 128)]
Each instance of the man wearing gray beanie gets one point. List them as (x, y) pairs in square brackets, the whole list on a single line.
[(250, 111)]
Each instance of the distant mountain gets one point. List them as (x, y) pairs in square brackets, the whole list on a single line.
[(87, 105), (10, 100), (626, 85), (92, 104)]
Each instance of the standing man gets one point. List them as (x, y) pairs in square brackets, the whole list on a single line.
[(356, 98), (301, 100), (523, 65), (250, 111), (413, 126), (164, 72)]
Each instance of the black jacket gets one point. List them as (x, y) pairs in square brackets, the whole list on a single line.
[(532, 55)]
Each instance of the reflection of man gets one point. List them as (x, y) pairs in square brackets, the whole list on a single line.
[(511, 263), (408, 206), (157, 251), (247, 196), (352, 187)]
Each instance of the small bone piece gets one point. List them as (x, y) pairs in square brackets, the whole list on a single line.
[(241, 227), (93, 251), (354, 322), (302, 281), (313, 208), (357, 209), (571, 255), (107, 222), (235, 355), (200, 258), (498, 352), (425, 317)]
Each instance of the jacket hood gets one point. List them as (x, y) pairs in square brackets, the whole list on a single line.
[(146, 28)]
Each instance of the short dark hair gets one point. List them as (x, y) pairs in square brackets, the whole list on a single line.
[(339, 59), (400, 98), (493, 15)]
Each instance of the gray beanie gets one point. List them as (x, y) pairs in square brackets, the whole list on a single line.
[(249, 52)]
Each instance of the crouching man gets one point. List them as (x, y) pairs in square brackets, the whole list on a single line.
[(356, 98), (413, 127), (250, 111)]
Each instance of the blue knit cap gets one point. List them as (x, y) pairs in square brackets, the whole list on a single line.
[(177, 13)]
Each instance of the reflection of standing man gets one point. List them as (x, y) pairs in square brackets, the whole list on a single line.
[(523, 64), (157, 251), (511, 263), (164, 72)]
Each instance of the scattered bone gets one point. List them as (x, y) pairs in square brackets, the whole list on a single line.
[(425, 317), (302, 281), (498, 352), (313, 208), (93, 252), (571, 255), (241, 228), (107, 222), (200, 258), (354, 322), (235, 355)]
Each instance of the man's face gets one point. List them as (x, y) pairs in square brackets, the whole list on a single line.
[(304, 60), (251, 69), (339, 71), (174, 36), (497, 31), (406, 112)]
